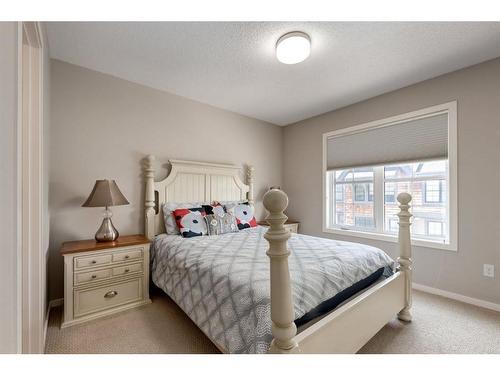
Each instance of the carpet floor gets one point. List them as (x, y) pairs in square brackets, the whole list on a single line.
[(440, 325)]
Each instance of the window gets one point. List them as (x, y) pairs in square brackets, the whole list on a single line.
[(358, 208), (363, 192), (356, 205), (414, 178), (414, 153), (339, 193), (389, 193), (434, 191), (359, 193)]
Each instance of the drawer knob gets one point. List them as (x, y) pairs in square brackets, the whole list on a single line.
[(94, 276), (126, 270), (111, 294), (126, 256), (94, 262)]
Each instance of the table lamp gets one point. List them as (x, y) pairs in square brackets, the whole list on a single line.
[(105, 194)]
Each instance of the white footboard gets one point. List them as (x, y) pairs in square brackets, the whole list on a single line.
[(348, 328)]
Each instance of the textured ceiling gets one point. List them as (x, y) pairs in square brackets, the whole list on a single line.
[(233, 65)]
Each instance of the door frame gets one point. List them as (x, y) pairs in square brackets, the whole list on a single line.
[(30, 160)]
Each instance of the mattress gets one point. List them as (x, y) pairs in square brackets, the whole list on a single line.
[(223, 284)]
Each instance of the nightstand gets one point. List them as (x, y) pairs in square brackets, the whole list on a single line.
[(292, 226), (102, 278)]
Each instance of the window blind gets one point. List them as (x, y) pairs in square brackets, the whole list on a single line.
[(416, 139)]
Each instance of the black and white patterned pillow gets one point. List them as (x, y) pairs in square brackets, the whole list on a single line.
[(244, 214), (191, 221), (214, 208), (168, 217)]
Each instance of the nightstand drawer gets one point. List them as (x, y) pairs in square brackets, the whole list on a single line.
[(132, 254), (292, 227), (92, 300), (85, 277), (128, 269), (92, 261)]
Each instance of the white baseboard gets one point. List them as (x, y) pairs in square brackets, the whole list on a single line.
[(457, 297), (50, 305)]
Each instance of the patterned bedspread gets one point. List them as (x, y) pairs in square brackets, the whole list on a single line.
[(222, 282)]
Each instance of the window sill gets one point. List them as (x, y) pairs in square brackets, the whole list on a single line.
[(389, 238)]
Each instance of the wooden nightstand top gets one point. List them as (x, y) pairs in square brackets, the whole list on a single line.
[(93, 245)]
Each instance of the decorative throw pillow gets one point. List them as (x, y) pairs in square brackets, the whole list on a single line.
[(168, 217), (244, 213), (220, 224), (191, 222), (214, 208)]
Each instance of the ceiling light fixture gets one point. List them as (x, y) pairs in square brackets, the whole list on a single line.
[(293, 47)]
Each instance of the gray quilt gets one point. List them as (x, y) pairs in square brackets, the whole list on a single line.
[(222, 282)]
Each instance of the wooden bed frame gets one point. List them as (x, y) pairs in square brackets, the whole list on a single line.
[(345, 329)]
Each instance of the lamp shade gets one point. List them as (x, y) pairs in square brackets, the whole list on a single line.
[(105, 193)]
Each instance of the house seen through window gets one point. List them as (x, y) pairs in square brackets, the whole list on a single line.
[(360, 206)]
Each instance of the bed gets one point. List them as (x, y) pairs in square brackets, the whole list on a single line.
[(248, 291)]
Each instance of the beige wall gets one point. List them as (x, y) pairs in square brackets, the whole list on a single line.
[(103, 126), (477, 90), (8, 188)]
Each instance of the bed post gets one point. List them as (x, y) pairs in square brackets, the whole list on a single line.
[(250, 171), (149, 202), (404, 259), (282, 311)]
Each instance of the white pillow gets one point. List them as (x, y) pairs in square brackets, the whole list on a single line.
[(168, 218)]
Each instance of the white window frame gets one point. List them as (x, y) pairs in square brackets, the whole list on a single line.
[(452, 178)]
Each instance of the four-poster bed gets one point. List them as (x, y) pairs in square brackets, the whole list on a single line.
[(345, 329)]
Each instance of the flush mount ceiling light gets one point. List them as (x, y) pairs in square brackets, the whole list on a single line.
[(293, 47)]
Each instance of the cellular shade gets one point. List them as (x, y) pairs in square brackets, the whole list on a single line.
[(105, 193), (418, 139)]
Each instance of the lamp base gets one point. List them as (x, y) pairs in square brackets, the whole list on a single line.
[(107, 231)]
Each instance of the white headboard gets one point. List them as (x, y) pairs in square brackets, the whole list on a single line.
[(191, 181)]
